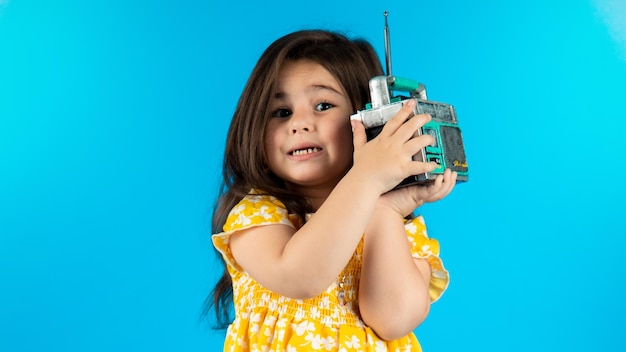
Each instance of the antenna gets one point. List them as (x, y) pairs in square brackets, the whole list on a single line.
[(387, 45)]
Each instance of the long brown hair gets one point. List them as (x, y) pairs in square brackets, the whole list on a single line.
[(351, 62)]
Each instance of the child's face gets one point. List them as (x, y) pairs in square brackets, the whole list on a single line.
[(309, 139)]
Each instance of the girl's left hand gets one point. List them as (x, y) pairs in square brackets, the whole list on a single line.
[(405, 200)]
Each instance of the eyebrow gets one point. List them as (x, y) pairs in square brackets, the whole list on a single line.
[(315, 88)]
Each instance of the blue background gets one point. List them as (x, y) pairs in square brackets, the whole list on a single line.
[(113, 116)]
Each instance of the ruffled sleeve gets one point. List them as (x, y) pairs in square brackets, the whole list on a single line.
[(428, 248), (253, 210)]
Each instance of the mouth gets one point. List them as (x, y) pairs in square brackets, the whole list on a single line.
[(305, 151)]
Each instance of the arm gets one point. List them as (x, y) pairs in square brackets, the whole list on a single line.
[(394, 291), (303, 263)]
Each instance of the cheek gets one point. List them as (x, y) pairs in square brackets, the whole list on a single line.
[(344, 136), (271, 144)]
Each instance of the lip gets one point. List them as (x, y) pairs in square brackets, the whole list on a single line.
[(313, 150)]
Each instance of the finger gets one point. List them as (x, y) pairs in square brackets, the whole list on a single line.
[(438, 188), (359, 138), (399, 118), (448, 182), (419, 167), (417, 143), (410, 127), (437, 185), (452, 182), (446, 175), (455, 176), (443, 192)]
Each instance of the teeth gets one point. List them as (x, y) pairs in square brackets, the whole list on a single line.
[(305, 151)]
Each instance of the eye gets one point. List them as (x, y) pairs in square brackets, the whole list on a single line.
[(323, 106), (282, 113)]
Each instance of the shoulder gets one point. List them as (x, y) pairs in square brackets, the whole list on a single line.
[(256, 208), (423, 246), (253, 210)]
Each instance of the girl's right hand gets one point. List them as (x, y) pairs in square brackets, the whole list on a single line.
[(388, 158), (406, 199)]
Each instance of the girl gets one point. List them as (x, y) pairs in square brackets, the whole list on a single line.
[(317, 250)]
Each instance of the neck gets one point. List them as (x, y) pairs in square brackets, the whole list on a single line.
[(314, 195)]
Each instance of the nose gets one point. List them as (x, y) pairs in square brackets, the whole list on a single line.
[(301, 121)]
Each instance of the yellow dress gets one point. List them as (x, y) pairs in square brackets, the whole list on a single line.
[(266, 321)]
